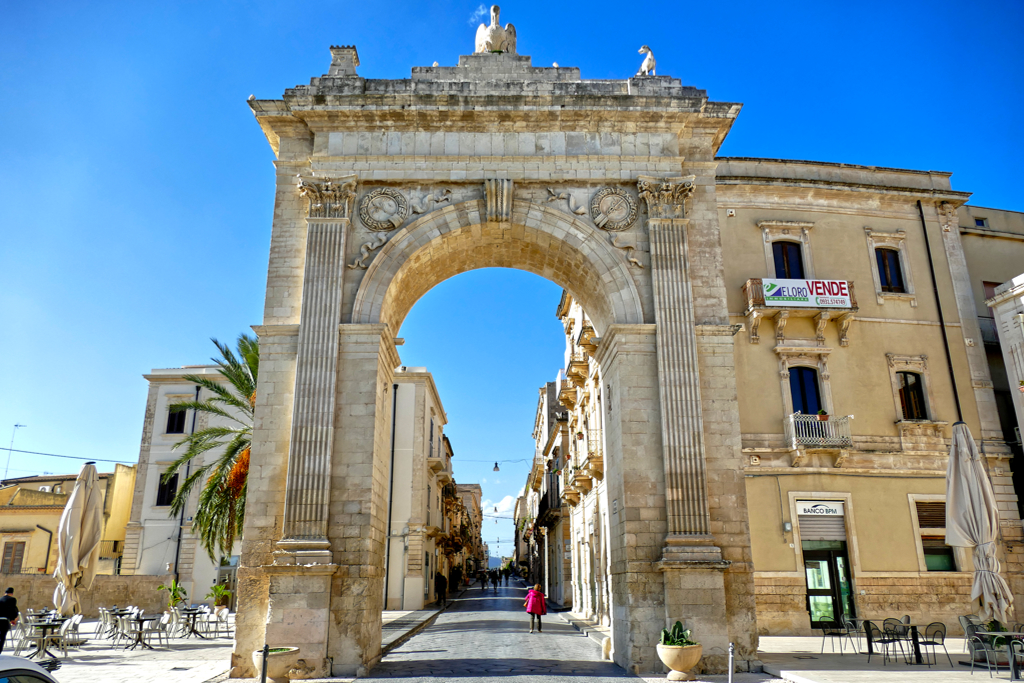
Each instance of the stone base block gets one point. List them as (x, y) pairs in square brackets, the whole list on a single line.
[(695, 595), (299, 611)]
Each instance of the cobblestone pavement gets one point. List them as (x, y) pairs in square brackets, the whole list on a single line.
[(485, 635)]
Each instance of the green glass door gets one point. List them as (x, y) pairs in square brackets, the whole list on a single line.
[(829, 591)]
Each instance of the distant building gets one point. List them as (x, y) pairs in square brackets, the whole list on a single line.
[(32, 507), (157, 542)]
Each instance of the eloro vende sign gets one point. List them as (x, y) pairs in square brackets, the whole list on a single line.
[(806, 293)]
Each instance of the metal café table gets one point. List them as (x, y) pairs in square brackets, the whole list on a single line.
[(915, 638), (46, 627), (192, 615), (1015, 669), (140, 636)]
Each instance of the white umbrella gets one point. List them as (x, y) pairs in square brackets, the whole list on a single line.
[(78, 541), (972, 521)]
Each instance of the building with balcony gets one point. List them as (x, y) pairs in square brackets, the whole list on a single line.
[(424, 531), (860, 331)]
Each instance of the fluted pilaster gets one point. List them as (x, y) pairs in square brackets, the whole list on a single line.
[(307, 493), (678, 376)]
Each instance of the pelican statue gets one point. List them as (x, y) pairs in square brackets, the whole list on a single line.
[(494, 38), (647, 68)]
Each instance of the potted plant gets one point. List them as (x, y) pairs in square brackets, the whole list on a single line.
[(220, 595), (279, 661), (175, 593), (678, 652), (822, 415)]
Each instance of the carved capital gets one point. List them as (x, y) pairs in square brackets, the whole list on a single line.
[(328, 197), (948, 217), (665, 197)]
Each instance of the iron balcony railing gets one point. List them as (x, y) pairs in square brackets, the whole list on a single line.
[(809, 431)]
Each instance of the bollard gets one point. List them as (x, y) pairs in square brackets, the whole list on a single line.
[(731, 665), (266, 656)]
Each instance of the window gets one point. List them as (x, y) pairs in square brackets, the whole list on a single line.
[(430, 440), (165, 490), (803, 385), (981, 222), (931, 524), (14, 553), (890, 266), (789, 263), (890, 275), (176, 422), (911, 396)]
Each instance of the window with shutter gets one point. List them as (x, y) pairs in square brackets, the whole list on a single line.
[(931, 518), (14, 552)]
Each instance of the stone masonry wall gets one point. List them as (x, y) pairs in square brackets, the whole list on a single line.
[(36, 592), (939, 596)]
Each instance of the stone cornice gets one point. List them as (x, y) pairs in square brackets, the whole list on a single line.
[(617, 336)]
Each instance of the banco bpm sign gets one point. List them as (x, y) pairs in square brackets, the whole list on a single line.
[(386, 188)]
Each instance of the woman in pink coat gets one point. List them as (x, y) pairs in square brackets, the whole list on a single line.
[(536, 606)]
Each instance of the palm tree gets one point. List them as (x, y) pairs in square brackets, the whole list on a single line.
[(220, 515)]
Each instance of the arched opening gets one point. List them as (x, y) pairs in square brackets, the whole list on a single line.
[(539, 240)]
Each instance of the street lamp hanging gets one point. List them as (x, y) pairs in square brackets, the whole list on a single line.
[(496, 469)]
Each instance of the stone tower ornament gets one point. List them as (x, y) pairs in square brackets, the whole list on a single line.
[(647, 68), (383, 209), (494, 38)]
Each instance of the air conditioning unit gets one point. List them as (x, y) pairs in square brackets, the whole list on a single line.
[(44, 489)]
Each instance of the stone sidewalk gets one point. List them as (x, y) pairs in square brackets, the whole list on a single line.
[(800, 660), (189, 660)]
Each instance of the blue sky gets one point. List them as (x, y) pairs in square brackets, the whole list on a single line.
[(136, 189)]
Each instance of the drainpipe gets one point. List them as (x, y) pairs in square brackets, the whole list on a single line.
[(181, 522), (942, 320), (391, 490), (49, 544)]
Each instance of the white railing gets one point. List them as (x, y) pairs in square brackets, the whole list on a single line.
[(808, 431)]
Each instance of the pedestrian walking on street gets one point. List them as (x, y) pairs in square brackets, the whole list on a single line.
[(504, 573), (494, 579), (8, 615), (484, 579), (441, 588), (536, 605)]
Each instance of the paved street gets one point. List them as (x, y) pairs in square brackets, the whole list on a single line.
[(485, 635)]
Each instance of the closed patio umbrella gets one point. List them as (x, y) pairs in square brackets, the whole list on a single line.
[(78, 541), (972, 521)]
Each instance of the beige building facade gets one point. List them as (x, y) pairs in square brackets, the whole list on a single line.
[(612, 189), (30, 512), (431, 530), (157, 543)]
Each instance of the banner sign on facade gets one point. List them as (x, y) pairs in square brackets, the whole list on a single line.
[(819, 508), (806, 293)]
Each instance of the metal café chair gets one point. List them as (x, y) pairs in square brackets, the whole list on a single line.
[(899, 632), (852, 633), (879, 640), (934, 637), (831, 629), (978, 644), (1016, 654)]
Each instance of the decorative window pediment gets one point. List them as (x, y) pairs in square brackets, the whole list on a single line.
[(896, 241)]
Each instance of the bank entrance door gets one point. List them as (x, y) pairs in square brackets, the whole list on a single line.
[(826, 561), (829, 592)]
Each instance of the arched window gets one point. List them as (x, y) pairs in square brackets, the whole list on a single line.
[(890, 275), (803, 385), (789, 261), (912, 396)]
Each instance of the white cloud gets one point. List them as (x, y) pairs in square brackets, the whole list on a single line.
[(478, 14), (505, 506), (483, 480)]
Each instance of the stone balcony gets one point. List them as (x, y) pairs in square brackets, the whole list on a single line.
[(822, 300)]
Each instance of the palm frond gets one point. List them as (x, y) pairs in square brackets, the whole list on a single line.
[(222, 482)]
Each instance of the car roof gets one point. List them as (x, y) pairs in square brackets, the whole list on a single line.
[(10, 663)]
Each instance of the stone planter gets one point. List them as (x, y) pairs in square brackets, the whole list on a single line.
[(680, 658), (278, 663)]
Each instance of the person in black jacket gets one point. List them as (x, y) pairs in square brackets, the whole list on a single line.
[(441, 588), (8, 615)]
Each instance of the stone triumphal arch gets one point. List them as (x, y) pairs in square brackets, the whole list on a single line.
[(386, 188)]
